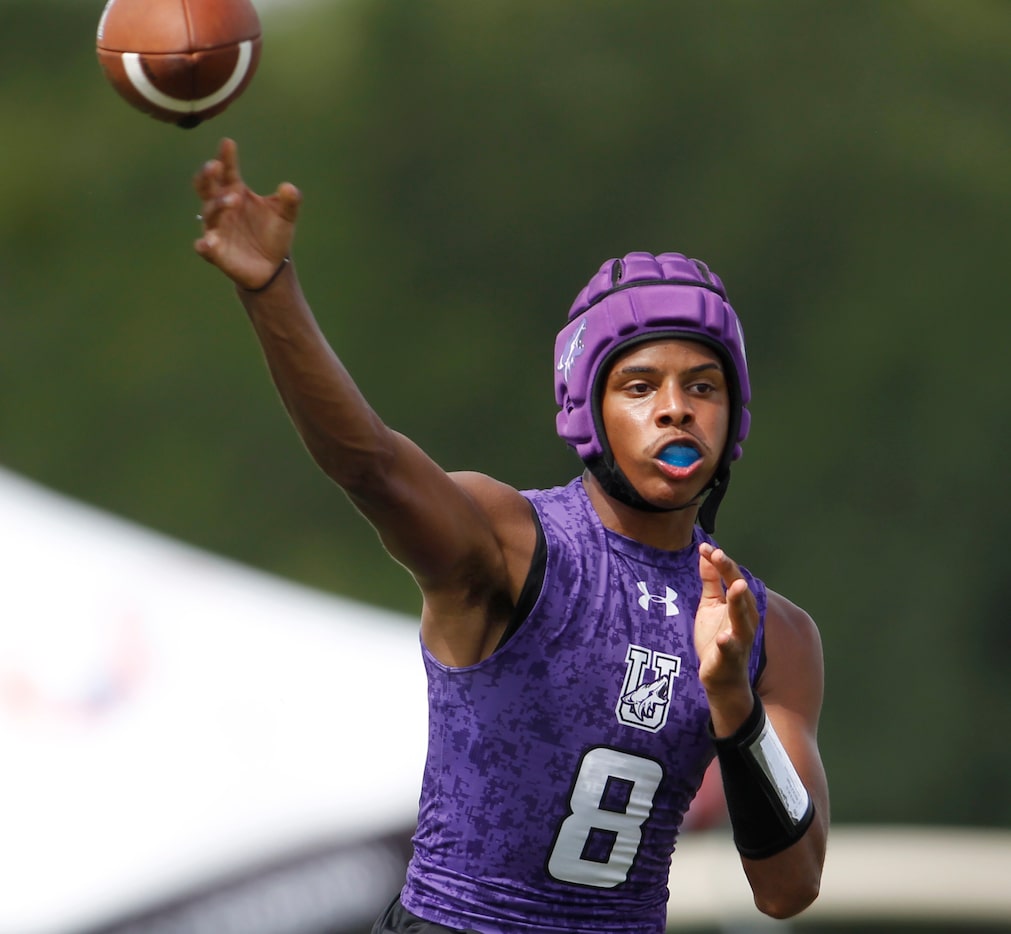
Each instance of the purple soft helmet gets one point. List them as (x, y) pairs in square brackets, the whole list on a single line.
[(639, 298)]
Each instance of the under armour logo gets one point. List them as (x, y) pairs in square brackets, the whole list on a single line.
[(669, 606)]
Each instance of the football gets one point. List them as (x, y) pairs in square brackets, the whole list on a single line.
[(181, 61)]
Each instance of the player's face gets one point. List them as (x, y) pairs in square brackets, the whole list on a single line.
[(666, 411)]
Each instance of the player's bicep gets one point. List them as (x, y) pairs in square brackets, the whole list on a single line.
[(425, 519)]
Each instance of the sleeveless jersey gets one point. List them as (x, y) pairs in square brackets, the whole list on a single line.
[(559, 768)]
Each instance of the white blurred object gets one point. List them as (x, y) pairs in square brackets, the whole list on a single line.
[(168, 717), (903, 875)]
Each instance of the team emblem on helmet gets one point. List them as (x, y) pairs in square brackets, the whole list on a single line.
[(574, 349)]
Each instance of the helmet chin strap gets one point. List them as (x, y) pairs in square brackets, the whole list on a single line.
[(707, 511), (614, 482)]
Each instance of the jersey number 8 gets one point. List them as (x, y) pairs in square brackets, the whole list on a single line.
[(611, 799)]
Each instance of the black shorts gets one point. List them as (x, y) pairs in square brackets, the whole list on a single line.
[(398, 920)]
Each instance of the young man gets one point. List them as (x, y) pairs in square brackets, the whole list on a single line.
[(589, 649)]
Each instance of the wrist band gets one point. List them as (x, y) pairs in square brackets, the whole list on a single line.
[(769, 807), (266, 285)]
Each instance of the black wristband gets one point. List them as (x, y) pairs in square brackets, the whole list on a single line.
[(277, 272), (770, 809)]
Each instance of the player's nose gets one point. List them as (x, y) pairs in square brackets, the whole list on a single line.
[(673, 405)]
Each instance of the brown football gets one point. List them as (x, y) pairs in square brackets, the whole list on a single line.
[(181, 61)]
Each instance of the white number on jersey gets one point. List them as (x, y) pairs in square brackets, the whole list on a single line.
[(594, 820)]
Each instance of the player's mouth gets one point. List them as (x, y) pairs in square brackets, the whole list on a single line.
[(680, 459)]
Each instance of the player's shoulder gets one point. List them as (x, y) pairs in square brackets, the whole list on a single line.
[(493, 496), (793, 679), (791, 634), (784, 612), (511, 520), (508, 511)]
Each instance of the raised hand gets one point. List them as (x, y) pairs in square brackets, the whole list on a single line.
[(246, 235)]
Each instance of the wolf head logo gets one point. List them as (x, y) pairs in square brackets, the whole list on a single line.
[(644, 699)]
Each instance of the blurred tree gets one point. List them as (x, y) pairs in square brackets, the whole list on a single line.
[(466, 168)]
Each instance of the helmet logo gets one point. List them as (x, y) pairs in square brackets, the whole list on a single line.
[(575, 349)]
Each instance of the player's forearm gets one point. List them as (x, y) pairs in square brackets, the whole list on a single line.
[(785, 884), (337, 425), (778, 803)]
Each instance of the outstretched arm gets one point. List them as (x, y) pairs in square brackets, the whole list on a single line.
[(463, 538), (777, 792)]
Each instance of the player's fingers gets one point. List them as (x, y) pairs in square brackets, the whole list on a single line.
[(204, 249), (211, 208), (228, 156), (204, 179), (210, 182), (210, 242), (712, 582), (742, 611), (289, 200), (726, 566), (739, 596)]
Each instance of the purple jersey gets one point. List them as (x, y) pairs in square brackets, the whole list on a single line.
[(559, 769)]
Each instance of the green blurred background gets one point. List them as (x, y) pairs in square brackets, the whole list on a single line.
[(845, 165)]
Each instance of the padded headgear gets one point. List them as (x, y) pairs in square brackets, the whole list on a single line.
[(639, 298)]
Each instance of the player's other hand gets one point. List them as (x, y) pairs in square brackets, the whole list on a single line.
[(246, 235), (725, 624)]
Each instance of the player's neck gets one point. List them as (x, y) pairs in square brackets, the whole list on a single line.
[(669, 530)]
